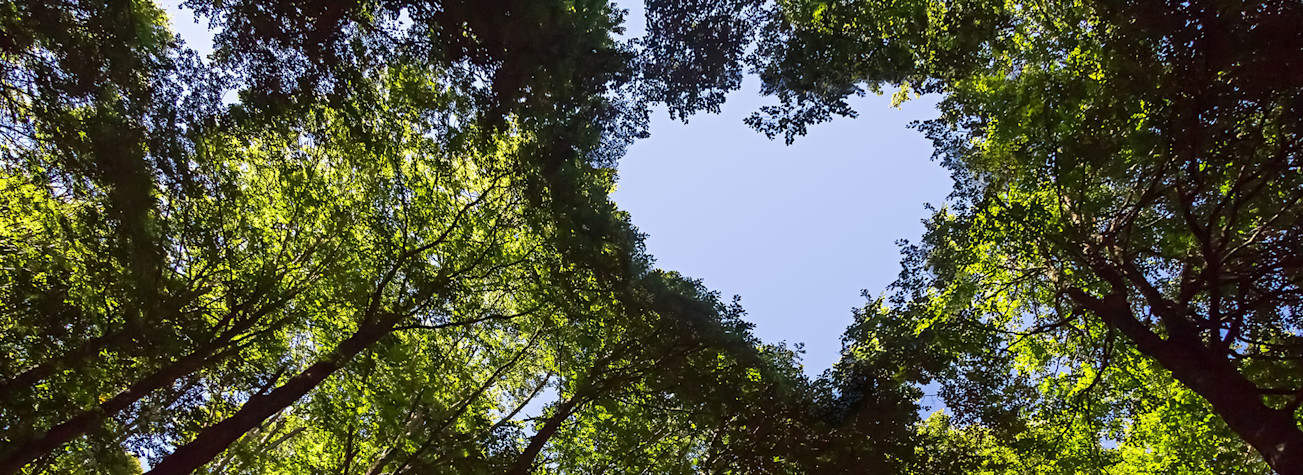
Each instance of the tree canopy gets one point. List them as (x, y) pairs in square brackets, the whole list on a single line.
[(1120, 259), (393, 250)]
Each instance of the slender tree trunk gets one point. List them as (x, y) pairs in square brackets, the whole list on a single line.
[(81, 423), (526, 460), (1274, 433), (349, 452), (45, 369), (214, 439), (33, 448)]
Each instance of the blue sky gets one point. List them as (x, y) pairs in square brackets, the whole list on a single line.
[(797, 231)]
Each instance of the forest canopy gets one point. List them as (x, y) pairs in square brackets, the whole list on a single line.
[(377, 237)]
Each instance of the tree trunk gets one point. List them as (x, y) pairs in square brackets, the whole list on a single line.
[(28, 378), (526, 460), (214, 439), (166, 376), (92, 418), (1274, 433)]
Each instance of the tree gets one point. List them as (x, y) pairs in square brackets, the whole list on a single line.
[(1127, 180), (396, 239), (276, 229)]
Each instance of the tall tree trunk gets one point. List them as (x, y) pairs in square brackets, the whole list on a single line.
[(35, 374), (526, 460), (58, 435), (214, 439), (1274, 433), (350, 451), (81, 423)]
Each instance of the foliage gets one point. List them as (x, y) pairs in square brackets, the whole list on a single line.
[(395, 243), (395, 252), (1123, 237)]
